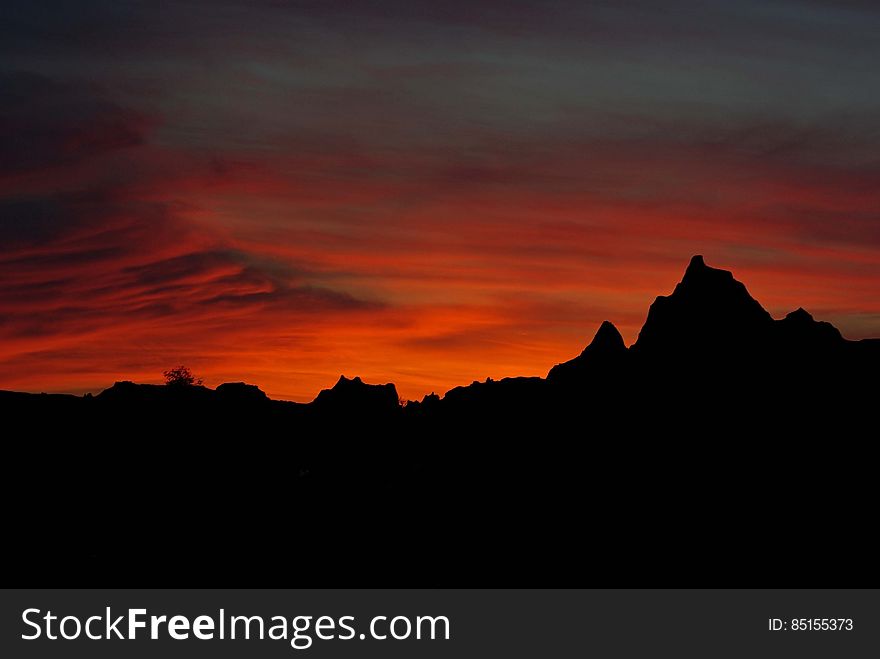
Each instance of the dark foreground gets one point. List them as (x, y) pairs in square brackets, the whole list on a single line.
[(723, 448)]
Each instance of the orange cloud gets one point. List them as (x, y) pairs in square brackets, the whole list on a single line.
[(425, 265)]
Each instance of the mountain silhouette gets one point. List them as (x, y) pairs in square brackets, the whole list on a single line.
[(722, 443), (605, 352), (708, 307), (356, 396)]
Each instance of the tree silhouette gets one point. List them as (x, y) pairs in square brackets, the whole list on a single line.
[(181, 377)]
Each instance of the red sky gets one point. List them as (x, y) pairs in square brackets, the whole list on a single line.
[(284, 195)]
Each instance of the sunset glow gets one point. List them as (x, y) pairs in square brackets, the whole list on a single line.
[(294, 192)]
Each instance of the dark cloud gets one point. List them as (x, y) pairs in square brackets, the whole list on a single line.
[(839, 226), (100, 27), (130, 30), (97, 243), (238, 280), (239, 179), (295, 299), (46, 122), (27, 221), (180, 267), (84, 222)]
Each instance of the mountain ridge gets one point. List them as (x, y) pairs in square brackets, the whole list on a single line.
[(705, 300), (719, 431)]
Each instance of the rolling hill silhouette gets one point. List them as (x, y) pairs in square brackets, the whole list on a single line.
[(722, 445)]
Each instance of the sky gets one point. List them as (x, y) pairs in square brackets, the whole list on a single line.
[(419, 192)]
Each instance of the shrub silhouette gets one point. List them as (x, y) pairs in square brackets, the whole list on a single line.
[(181, 377)]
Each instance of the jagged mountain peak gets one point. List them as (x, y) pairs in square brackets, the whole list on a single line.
[(605, 350), (799, 328), (355, 393), (708, 305), (701, 278), (607, 337), (800, 315), (697, 264)]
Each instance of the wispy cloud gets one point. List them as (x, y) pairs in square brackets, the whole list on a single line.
[(416, 191)]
